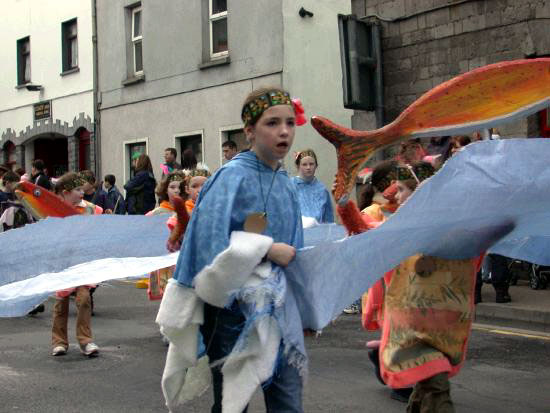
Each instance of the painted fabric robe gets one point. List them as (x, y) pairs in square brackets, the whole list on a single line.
[(314, 199)]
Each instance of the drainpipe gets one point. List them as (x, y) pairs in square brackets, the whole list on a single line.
[(97, 119), (377, 49)]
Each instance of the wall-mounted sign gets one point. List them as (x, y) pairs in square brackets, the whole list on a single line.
[(42, 110)]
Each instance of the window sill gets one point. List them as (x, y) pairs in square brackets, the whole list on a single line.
[(133, 80), (22, 85), (215, 62), (69, 71)]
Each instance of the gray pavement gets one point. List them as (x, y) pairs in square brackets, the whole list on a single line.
[(506, 371), (529, 308)]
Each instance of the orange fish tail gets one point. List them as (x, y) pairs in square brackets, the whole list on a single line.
[(353, 149)]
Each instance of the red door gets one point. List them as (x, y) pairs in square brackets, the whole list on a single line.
[(83, 150), (545, 123)]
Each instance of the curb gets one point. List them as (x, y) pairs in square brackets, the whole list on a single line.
[(504, 314)]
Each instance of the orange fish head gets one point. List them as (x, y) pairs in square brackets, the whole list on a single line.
[(42, 203)]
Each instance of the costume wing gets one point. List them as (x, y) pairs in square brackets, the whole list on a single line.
[(491, 196), (58, 253)]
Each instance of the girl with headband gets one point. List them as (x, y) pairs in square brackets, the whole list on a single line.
[(315, 201), (172, 184), (253, 196)]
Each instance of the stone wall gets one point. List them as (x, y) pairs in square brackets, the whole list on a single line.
[(426, 42)]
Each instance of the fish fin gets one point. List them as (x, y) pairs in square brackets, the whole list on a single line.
[(183, 219), (353, 148)]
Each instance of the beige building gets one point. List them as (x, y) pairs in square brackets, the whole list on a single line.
[(176, 75)]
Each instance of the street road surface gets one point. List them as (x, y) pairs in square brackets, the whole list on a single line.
[(503, 373)]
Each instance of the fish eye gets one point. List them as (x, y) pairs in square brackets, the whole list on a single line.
[(37, 192)]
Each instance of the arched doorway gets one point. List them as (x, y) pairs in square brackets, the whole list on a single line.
[(53, 150), (9, 154)]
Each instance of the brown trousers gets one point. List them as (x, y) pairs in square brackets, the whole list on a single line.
[(83, 319), (432, 395)]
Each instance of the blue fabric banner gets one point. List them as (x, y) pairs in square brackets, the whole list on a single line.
[(493, 195)]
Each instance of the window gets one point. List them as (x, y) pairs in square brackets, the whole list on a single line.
[(24, 61), (218, 28), (192, 141), (137, 40), (236, 135), (69, 45), (132, 150), (135, 149)]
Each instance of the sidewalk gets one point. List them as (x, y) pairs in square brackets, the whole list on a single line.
[(529, 308)]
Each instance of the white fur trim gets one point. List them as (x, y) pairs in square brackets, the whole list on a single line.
[(216, 283), (309, 222), (244, 371), (179, 307), (180, 314)]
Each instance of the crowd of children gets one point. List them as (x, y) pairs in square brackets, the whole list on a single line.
[(252, 192)]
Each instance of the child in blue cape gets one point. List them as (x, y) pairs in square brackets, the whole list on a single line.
[(314, 198), (251, 193)]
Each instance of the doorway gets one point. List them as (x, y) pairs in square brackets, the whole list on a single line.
[(53, 150)]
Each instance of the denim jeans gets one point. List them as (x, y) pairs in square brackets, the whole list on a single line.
[(220, 331)]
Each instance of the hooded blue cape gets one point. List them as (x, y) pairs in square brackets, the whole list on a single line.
[(240, 188), (314, 199)]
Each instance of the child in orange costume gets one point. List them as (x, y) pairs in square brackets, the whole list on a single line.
[(172, 184), (193, 185), (70, 188), (426, 317)]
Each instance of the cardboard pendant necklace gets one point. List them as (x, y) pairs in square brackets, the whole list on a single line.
[(257, 221)]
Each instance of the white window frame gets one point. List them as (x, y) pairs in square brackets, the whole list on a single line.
[(212, 18), (223, 136), (176, 139), (68, 39), (22, 58), (136, 39), (127, 156)]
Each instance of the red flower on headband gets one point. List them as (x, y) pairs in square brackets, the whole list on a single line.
[(299, 111)]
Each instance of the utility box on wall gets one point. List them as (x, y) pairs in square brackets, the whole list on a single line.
[(358, 52)]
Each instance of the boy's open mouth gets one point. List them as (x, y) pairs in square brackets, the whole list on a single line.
[(282, 145)]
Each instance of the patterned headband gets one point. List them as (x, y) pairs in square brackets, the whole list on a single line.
[(419, 172), (383, 183), (176, 178), (78, 181), (254, 109)]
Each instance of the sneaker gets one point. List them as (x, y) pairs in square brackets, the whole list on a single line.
[(59, 351), (352, 309), (38, 309), (90, 350)]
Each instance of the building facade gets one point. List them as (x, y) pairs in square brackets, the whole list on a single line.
[(175, 75), (46, 105), (427, 42)]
